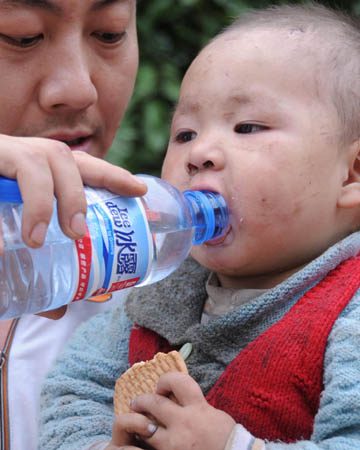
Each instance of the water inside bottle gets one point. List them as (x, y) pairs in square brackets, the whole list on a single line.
[(27, 280), (168, 239)]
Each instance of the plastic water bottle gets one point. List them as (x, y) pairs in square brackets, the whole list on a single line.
[(129, 242)]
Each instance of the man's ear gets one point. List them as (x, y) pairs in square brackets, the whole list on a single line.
[(350, 192)]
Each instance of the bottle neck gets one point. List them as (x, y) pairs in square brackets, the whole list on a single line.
[(9, 190), (209, 214)]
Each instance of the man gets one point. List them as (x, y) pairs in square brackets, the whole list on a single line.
[(67, 71)]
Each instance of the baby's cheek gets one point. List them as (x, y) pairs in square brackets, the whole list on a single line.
[(174, 173)]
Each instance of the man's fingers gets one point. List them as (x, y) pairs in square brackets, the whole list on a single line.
[(37, 190), (69, 192), (47, 167), (43, 167), (99, 173)]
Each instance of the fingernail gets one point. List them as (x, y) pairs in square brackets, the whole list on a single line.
[(78, 224), (39, 232), (152, 428), (132, 404), (140, 181)]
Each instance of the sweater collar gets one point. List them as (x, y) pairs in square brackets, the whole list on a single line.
[(173, 307)]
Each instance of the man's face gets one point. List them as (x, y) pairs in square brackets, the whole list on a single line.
[(250, 124), (67, 69)]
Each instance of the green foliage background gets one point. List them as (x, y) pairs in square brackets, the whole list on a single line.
[(171, 32)]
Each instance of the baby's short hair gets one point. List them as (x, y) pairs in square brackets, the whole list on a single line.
[(337, 36)]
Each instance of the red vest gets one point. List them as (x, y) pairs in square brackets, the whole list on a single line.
[(273, 386)]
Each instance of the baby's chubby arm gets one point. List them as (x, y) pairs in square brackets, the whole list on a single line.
[(44, 167)]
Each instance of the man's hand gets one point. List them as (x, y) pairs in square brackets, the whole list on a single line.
[(46, 167)]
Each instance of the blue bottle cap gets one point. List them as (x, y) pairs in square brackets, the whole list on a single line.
[(9, 191), (210, 214)]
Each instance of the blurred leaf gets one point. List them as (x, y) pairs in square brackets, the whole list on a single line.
[(155, 117), (146, 81)]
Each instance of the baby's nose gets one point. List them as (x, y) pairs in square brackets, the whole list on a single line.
[(192, 169)]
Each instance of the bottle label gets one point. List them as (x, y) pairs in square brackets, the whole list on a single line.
[(117, 251)]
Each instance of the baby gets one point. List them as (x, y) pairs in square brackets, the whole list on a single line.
[(268, 115)]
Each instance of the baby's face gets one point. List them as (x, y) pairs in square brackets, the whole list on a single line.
[(250, 124)]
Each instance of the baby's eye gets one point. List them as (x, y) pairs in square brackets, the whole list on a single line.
[(185, 136), (110, 38), (246, 128), (23, 41)]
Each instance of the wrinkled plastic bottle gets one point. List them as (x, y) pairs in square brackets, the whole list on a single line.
[(130, 242)]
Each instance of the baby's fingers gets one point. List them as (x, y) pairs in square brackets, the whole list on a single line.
[(157, 406), (126, 426), (182, 386)]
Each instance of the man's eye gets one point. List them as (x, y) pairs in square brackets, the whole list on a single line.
[(185, 136), (23, 41), (246, 128), (110, 38)]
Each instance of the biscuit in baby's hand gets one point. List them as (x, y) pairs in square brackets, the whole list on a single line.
[(143, 377)]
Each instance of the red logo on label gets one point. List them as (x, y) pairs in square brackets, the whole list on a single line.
[(100, 291), (83, 248), (123, 284)]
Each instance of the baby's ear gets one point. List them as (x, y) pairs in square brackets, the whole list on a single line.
[(350, 192)]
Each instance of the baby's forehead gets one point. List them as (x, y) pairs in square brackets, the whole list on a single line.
[(293, 48), (260, 60), (290, 38)]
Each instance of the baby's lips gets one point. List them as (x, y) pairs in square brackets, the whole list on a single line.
[(219, 240)]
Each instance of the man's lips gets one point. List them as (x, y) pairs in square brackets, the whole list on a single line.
[(72, 140), (75, 142)]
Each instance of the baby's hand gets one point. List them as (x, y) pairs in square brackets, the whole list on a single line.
[(189, 424), (127, 428)]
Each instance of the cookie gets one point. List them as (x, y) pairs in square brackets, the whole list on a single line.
[(143, 377)]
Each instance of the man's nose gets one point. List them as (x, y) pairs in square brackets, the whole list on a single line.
[(67, 82), (205, 155)]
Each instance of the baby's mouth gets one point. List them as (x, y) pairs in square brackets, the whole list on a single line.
[(219, 240)]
